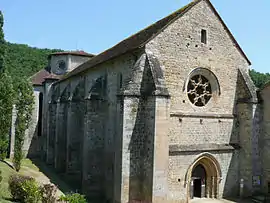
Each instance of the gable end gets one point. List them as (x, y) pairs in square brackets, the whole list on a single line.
[(228, 31)]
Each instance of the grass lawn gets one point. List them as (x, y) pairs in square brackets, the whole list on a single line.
[(27, 168), (6, 172)]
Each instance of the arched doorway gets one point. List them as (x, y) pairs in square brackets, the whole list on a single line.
[(203, 177), (198, 179)]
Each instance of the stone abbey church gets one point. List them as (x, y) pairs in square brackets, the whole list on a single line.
[(166, 115)]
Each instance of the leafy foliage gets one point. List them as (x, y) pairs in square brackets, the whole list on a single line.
[(48, 193), (24, 61), (6, 105), (21, 62), (24, 106), (24, 189), (2, 42), (6, 97), (73, 198), (33, 193), (258, 78)]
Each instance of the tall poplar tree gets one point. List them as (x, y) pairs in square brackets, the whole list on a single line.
[(2, 42), (6, 96)]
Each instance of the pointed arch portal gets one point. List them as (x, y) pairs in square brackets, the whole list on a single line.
[(203, 177)]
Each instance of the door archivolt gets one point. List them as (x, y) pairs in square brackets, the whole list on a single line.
[(208, 182)]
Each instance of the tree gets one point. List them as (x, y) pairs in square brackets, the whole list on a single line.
[(24, 106), (24, 61), (6, 104), (2, 42), (6, 97), (258, 78)]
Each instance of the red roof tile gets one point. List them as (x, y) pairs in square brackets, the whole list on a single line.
[(42, 75), (77, 53)]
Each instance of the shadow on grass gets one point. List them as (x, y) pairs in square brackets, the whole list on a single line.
[(56, 179), (8, 199), (9, 164)]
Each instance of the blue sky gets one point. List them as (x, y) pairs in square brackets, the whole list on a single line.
[(95, 25)]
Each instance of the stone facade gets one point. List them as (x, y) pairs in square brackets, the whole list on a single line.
[(134, 122), (264, 139)]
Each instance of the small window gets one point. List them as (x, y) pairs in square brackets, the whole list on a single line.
[(203, 36), (120, 81)]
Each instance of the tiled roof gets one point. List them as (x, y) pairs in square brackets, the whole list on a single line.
[(42, 75), (139, 39), (77, 53), (133, 42)]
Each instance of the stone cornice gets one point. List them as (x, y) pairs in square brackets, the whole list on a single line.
[(178, 149), (202, 115)]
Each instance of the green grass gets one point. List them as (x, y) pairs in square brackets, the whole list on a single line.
[(7, 171), (28, 168)]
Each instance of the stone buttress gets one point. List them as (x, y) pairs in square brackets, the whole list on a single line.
[(144, 144)]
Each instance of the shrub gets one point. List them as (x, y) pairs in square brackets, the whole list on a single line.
[(24, 189), (48, 192), (73, 198), (32, 189), (15, 186)]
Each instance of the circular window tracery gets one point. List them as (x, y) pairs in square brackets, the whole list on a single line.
[(199, 90)]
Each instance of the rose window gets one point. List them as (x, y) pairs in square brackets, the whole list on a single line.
[(199, 90)]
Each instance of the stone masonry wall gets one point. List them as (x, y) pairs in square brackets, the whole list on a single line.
[(138, 149), (75, 134), (75, 61), (264, 141), (48, 120), (31, 146), (247, 123), (93, 176), (180, 51), (179, 164), (61, 137), (91, 120), (127, 135), (51, 134)]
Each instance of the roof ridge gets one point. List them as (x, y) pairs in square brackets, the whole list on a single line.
[(132, 42), (142, 37), (176, 13)]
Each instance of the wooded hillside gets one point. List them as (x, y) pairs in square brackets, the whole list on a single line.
[(22, 60)]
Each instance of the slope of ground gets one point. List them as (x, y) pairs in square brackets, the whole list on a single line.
[(6, 172), (30, 169)]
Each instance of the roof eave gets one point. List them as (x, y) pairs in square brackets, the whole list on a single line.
[(178, 14), (185, 9)]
